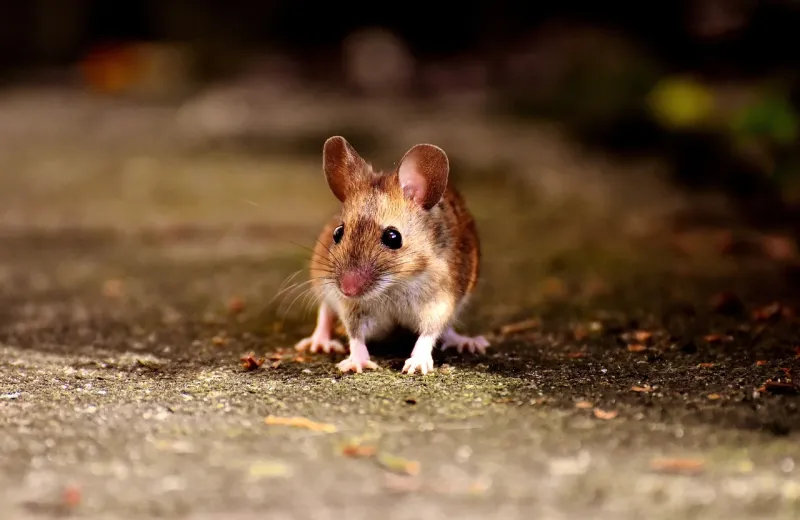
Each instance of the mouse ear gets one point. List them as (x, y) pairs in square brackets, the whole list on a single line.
[(341, 163), (423, 172)]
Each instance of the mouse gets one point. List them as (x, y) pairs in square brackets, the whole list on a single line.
[(403, 250)]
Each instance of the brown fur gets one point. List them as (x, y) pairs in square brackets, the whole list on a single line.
[(454, 232), (440, 255)]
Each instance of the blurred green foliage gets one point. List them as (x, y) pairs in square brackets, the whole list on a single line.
[(771, 117), (681, 103)]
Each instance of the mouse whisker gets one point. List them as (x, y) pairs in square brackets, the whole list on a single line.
[(328, 249), (323, 267), (285, 285), (303, 293), (327, 262), (287, 291)]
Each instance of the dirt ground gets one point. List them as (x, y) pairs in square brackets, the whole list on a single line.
[(132, 282)]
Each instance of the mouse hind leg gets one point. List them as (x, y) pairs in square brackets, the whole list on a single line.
[(452, 339), (322, 337)]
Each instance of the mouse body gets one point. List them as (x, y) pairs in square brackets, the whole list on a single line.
[(403, 251)]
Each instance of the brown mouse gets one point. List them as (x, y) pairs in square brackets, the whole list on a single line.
[(403, 251)]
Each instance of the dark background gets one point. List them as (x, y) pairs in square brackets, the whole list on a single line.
[(749, 46), (721, 37)]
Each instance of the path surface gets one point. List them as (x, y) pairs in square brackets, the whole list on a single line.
[(122, 394)]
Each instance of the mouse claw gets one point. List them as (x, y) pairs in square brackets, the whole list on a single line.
[(316, 344), (452, 339), (356, 365), (423, 363)]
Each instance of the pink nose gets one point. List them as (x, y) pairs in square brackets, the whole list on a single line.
[(355, 282)]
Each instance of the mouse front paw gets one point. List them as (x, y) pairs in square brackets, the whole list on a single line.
[(422, 362), (356, 364), (452, 339), (318, 342)]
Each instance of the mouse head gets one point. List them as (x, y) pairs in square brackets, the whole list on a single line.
[(390, 222)]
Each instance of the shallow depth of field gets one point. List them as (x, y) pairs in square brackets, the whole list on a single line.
[(634, 175)]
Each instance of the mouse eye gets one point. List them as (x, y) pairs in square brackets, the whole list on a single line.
[(338, 233), (391, 238)]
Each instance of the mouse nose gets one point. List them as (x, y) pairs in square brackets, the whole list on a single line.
[(355, 282)]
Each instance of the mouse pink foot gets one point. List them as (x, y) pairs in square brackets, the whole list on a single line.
[(451, 338), (423, 363), (322, 338), (356, 364), (320, 342), (421, 358), (358, 359)]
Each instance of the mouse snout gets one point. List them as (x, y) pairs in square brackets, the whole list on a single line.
[(355, 282)]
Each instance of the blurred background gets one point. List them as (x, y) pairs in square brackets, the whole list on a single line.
[(665, 109), (634, 170)]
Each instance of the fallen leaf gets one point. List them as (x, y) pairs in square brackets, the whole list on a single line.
[(605, 415), (767, 312), (760, 363), (642, 388), (583, 405), (300, 422), (235, 305), (268, 469), (706, 365), (642, 336), (636, 348), (714, 397), (520, 326), (576, 355), (112, 288), (219, 341), (300, 359), (580, 332), (358, 450), (717, 338), (678, 466), (148, 362), (249, 362), (398, 464), (780, 387), (276, 364)]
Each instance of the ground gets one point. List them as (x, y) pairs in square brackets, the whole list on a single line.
[(132, 282)]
